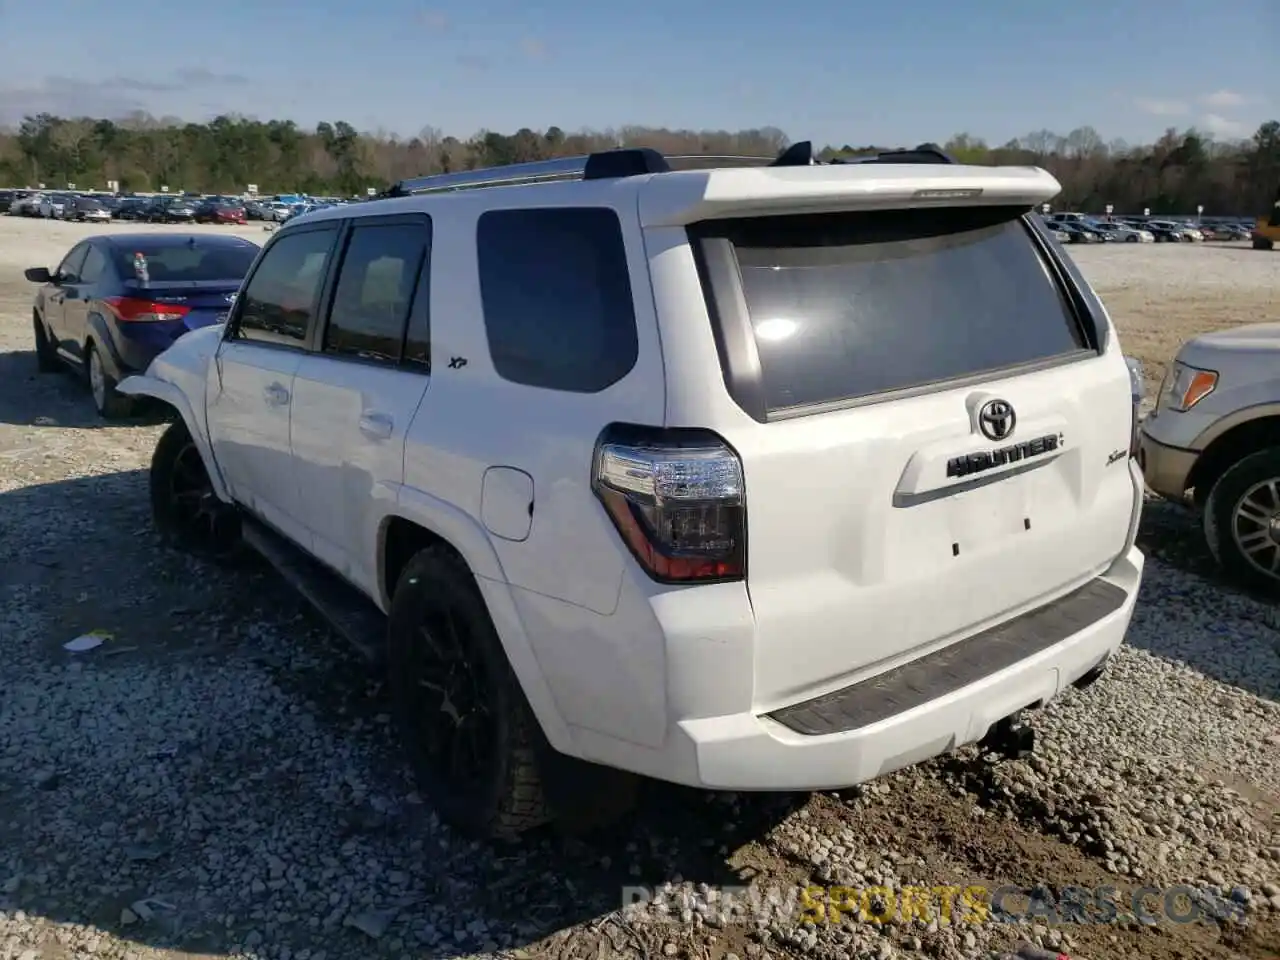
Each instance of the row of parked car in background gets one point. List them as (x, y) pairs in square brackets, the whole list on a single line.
[(217, 208), (165, 208), (1086, 228)]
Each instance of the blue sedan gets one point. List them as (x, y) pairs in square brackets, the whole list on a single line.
[(116, 301)]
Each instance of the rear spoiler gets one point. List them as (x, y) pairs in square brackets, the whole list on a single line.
[(685, 197)]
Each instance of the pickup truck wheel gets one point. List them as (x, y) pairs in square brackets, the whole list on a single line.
[(1242, 521), (109, 404), (461, 713), (184, 507), (46, 355)]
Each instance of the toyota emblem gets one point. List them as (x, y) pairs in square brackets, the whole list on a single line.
[(996, 419)]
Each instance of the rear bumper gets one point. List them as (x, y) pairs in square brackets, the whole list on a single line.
[(129, 354), (751, 752)]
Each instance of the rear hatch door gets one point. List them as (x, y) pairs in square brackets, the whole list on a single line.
[(935, 441)]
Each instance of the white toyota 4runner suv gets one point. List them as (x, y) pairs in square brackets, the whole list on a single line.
[(1215, 432), (744, 474)]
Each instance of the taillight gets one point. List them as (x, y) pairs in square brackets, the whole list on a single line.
[(678, 499), (1137, 386), (138, 310)]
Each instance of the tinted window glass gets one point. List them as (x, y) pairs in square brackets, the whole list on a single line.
[(375, 290), (69, 268), (182, 262), (282, 294), (557, 297), (95, 262), (849, 305)]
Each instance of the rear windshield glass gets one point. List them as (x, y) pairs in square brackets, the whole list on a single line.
[(172, 263), (845, 306)]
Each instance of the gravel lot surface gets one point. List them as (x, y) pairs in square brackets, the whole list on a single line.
[(218, 777)]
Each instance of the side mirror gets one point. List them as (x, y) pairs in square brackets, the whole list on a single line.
[(38, 275)]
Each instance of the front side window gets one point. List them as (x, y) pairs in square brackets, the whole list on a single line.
[(69, 269), (282, 295), (558, 307), (378, 286), (95, 263)]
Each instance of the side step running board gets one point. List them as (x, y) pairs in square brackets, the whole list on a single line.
[(348, 611)]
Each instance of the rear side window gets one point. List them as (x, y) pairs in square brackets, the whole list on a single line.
[(378, 287), (283, 293), (558, 310), (179, 262), (846, 306)]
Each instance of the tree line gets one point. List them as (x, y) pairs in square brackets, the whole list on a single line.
[(1177, 173)]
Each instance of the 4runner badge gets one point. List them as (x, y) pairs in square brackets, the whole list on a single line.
[(971, 463)]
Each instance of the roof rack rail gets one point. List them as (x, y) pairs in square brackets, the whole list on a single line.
[(633, 161)]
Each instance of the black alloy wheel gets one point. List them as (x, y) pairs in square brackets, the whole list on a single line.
[(186, 509), (463, 719), (455, 733)]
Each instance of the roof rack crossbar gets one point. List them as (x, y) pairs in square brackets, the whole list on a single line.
[(925, 153), (633, 161)]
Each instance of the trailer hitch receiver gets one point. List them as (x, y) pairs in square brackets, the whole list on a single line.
[(1010, 738)]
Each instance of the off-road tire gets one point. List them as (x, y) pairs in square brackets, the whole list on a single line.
[(112, 405), (46, 354), (1262, 243), (175, 443), (509, 800), (1219, 517)]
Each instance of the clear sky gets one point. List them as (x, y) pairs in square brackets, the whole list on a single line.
[(834, 71)]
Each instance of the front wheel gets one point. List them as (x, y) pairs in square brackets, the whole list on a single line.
[(184, 507), (1262, 243), (1242, 521)]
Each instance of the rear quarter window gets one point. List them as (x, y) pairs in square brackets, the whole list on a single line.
[(845, 307), (558, 306)]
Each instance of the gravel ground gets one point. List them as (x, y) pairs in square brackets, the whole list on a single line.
[(218, 776)]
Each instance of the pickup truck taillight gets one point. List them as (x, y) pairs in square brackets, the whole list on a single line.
[(678, 500)]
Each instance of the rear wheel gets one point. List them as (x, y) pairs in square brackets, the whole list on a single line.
[(46, 354), (461, 713), (186, 511), (1262, 243), (1242, 521), (110, 404)]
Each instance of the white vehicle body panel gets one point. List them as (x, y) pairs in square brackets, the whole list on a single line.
[(249, 405), (347, 431), (178, 377)]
